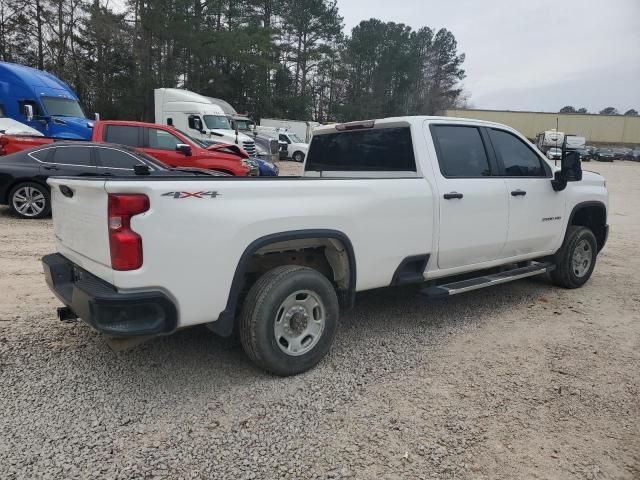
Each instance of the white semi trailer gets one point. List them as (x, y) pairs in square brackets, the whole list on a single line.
[(199, 117)]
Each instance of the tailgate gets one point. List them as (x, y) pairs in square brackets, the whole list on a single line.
[(79, 210)]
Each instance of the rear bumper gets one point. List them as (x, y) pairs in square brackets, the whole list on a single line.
[(103, 307)]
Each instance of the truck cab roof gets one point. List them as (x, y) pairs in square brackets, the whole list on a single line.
[(179, 100), (390, 122), (45, 83)]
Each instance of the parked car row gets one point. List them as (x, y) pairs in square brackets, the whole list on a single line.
[(116, 148), (609, 154), (23, 175)]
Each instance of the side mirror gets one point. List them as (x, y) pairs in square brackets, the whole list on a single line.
[(195, 122), (96, 116), (184, 149), (570, 171), (571, 167), (28, 112)]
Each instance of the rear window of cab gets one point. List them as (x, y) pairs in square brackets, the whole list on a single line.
[(370, 150)]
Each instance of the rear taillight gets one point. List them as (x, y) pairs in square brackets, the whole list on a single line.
[(3, 143), (124, 243)]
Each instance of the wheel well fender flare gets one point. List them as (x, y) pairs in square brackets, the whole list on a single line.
[(600, 236), (224, 325)]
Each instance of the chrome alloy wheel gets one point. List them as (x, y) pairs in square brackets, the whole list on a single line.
[(582, 258), (299, 322), (29, 201)]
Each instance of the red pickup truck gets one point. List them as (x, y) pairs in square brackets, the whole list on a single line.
[(163, 142)]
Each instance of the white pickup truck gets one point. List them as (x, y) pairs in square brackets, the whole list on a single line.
[(452, 204)]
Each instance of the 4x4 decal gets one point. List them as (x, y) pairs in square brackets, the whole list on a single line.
[(179, 195)]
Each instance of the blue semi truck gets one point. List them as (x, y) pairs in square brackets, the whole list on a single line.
[(43, 102)]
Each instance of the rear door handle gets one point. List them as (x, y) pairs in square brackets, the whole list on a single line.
[(518, 193), (450, 195)]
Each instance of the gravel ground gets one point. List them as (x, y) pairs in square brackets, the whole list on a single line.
[(289, 169), (520, 381)]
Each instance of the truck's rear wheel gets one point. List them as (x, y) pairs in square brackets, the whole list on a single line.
[(576, 259), (298, 157), (289, 319)]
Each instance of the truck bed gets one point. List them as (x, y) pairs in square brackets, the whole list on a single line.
[(208, 224)]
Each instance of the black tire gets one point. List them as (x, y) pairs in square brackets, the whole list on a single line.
[(30, 213), (298, 156), (265, 303), (565, 274)]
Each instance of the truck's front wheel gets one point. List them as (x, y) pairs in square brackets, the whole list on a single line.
[(576, 259), (289, 319)]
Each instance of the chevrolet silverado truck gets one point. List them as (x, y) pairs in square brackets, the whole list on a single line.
[(450, 204)]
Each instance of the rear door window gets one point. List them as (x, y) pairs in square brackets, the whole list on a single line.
[(381, 149), (124, 135), (44, 155), (113, 158), (461, 151), (518, 159), (78, 156)]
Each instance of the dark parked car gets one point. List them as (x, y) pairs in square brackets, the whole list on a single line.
[(621, 153), (635, 154), (585, 154), (605, 155), (23, 175), (266, 168)]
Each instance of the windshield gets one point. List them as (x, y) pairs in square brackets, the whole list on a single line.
[(147, 158), (217, 122), (199, 143), (62, 107), (295, 138), (244, 125)]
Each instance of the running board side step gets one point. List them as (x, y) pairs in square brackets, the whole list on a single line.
[(439, 291)]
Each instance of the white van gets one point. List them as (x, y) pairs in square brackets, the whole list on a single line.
[(291, 145), (303, 130), (197, 116)]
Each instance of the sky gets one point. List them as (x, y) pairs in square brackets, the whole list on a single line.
[(535, 55)]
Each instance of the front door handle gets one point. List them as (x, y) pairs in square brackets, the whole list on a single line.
[(51, 167), (450, 195), (518, 193)]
